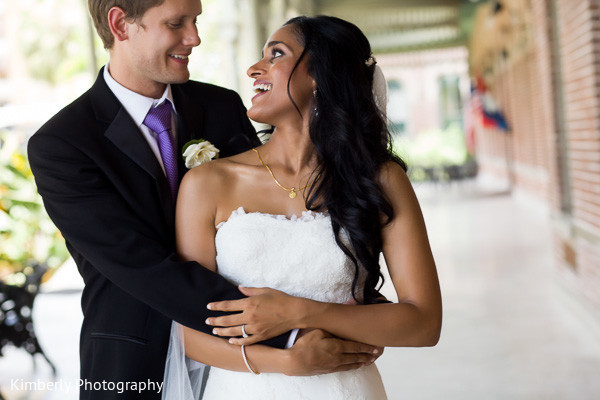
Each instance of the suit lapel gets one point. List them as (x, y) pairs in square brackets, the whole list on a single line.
[(189, 122), (126, 136)]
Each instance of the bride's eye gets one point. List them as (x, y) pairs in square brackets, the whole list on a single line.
[(276, 53)]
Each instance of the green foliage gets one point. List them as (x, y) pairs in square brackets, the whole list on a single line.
[(435, 150), (27, 235), (53, 38)]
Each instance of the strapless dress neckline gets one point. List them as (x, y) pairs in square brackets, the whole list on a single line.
[(305, 216)]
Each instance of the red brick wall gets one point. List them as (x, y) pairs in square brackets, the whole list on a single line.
[(549, 88), (579, 34), (523, 94)]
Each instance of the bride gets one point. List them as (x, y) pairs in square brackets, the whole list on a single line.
[(307, 214)]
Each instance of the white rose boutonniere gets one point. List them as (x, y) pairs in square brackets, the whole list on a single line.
[(197, 152)]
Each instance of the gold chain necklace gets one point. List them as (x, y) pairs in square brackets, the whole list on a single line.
[(293, 191)]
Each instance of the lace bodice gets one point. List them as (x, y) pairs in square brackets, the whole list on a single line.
[(296, 255)]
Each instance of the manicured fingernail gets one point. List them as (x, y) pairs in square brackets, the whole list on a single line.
[(231, 341), (214, 331), (375, 351), (209, 306), (207, 322)]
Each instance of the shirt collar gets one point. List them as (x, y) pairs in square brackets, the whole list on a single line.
[(136, 105)]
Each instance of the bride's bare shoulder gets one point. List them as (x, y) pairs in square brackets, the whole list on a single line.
[(217, 174), (395, 182)]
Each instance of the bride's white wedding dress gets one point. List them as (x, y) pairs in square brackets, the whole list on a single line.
[(298, 256)]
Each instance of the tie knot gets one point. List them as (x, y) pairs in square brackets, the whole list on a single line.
[(159, 118)]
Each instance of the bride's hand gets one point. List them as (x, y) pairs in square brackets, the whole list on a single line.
[(264, 314)]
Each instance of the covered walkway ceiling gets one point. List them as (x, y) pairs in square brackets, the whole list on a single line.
[(406, 25)]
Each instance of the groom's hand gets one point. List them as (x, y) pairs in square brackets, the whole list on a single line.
[(317, 352), (265, 313)]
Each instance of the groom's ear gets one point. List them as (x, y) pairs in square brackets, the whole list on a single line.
[(117, 21)]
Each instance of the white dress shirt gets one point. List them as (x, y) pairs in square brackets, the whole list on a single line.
[(137, 106)]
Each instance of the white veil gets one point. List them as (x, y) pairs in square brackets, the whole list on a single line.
[(380, 90), (184, 379)]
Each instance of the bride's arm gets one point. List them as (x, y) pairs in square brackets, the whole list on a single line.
[(414, 321), (315, 353), (199, 194), (417, 318), (195, 238)]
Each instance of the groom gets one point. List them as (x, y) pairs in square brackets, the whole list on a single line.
[(108, 177)]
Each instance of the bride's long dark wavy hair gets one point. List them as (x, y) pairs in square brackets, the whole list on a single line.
[(351, 139)]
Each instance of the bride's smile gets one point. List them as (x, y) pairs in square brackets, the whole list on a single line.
[(261, 87)]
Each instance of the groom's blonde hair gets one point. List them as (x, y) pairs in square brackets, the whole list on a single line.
[(134, 9)]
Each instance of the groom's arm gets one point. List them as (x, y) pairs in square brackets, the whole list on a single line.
[(106, 232)]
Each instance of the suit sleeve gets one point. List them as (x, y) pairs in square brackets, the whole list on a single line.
[(105, 231)]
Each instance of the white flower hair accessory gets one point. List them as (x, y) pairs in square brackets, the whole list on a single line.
[(199, 151)]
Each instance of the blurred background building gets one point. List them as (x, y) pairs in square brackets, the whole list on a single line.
[(491, 93)]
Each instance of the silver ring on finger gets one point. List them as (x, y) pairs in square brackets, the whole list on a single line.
[(244, 334)]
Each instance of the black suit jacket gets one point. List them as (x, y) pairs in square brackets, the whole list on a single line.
[(104, 189)]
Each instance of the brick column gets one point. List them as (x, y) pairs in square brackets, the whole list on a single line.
[(579, 241)]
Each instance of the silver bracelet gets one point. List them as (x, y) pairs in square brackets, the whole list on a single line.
[(246, 361)]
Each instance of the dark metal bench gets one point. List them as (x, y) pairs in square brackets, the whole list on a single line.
[(16, 312)]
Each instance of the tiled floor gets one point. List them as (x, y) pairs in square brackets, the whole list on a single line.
[(510, 332)]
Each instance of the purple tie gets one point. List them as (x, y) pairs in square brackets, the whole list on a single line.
[(159, 120)]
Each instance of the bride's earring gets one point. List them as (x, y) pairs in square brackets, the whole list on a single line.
[(315, 97)]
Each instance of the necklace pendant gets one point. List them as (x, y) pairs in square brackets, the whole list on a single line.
[(292, 193)]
